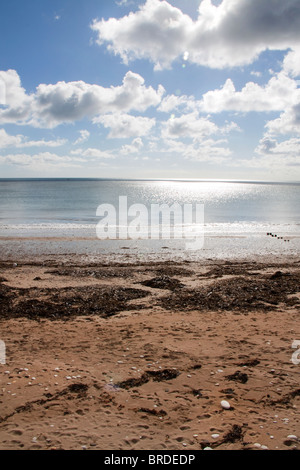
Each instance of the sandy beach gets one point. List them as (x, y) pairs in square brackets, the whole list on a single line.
[(140, 356)]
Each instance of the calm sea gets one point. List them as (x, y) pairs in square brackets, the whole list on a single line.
[(67, 207)]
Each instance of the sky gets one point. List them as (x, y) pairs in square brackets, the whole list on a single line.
[(189, 89)]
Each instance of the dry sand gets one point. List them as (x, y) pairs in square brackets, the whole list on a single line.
[(139, 357)]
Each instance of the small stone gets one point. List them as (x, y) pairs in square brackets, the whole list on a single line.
[(225, 405), (215, 436)]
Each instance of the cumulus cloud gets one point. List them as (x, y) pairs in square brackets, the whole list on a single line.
[(287, 148), (135, 147), (40, 160), (20, 141), (233, 33), (125, 126), (93, 153), (174, 103), (65, 102), (84, 136), (189, 125), (16, 101), (208, 150), (280, 93), (276, 95), (291, 63), (194, 127), (157, 31), (287, 123)]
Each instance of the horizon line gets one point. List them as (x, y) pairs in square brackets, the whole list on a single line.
[(189, 180)]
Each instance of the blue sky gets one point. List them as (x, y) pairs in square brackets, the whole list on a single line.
[(150, 89)]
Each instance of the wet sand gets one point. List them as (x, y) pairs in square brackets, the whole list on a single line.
[(140, 356)]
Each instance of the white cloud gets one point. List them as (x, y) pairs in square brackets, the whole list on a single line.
[(64, 102), (174, 103), (280, 93), (209, 150), (122, 3), (157, 31), (93, 153), (16, 101), (233, 33), (194, 126), (84, 136), (135, 147), (189, 125), (125, 126), (276, 95), (291, 63), (287, 123), (290, 149), (20, 141), (40, 160)]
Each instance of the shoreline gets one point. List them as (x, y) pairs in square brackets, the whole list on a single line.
[(139, 356), (218, 247)]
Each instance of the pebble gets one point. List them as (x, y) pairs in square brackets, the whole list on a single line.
[(292, 436), (215, 436), (225, 405)]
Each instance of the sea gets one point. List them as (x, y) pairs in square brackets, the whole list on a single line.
[(123, 219)]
